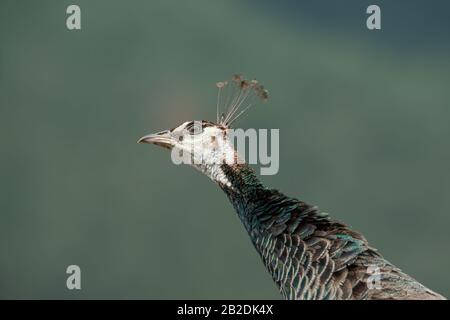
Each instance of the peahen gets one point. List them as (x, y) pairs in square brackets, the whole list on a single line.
[(308, 254)]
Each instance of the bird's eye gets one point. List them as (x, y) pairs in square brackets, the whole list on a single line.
[(193, 129)]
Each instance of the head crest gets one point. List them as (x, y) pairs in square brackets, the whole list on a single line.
[(236, 96)]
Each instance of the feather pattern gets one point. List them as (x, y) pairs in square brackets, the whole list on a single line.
[(309, 255)]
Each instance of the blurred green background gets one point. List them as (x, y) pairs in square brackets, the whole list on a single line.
[(364, 129)]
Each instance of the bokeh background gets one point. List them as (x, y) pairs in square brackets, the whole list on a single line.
[(364, 129)]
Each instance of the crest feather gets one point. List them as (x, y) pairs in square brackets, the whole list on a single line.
[(237, 96)]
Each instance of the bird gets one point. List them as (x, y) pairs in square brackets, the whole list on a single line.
[(309, 255)]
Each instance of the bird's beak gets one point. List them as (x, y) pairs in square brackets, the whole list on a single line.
[(162, 139)]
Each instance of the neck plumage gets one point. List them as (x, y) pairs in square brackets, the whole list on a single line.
[(308, 255), (267, 212), (259, 208), (243, 184), (243, 189)]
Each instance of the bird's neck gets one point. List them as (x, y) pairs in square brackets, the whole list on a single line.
[(244, 190), (242, 184)]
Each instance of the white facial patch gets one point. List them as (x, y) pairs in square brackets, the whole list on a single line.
[(205, 149)]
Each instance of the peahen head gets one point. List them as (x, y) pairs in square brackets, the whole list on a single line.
[(207, 145)]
